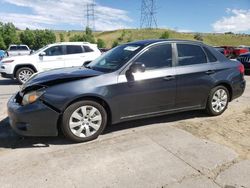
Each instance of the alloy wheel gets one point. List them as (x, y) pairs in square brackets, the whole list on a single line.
[(24, 75), (219, 100), (85, 121)]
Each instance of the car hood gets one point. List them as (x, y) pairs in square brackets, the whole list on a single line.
[(58, 76), (21, 58)]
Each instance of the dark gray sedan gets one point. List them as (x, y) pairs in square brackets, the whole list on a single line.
[(135, 80)]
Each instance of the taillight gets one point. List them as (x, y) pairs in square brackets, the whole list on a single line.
[(241, 68)]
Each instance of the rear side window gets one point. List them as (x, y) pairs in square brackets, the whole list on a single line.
[(74, 49), (157, 57), (22, 48), (189, 54), (210, 56), (88, 49)]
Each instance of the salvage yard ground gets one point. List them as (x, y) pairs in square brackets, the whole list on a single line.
[(182, 150)]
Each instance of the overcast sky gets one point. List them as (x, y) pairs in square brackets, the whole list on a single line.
[(181, 15)]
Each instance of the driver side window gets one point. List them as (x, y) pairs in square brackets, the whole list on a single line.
[(54, 51), (157, 57)]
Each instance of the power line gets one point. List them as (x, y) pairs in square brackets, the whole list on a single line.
[(90, 15), (148, 14)]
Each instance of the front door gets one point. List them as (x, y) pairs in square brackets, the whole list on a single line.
[(52, 59), (152, 91)]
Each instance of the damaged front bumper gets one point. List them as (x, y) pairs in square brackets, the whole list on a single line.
[(36, 119)]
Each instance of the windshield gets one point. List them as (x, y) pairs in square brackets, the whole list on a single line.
[(115, 58), (40, 50)]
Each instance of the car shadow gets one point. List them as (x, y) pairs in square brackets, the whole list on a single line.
[(8, 139), (8, 82)]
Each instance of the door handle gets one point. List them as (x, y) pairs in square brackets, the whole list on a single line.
[(210, 72), (168, 78)]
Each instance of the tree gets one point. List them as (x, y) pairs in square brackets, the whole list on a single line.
[(101, 43), (27, 37), (198, 36), (165, 35), (9, 34), (2, 44), (43, 37), (61, 36)]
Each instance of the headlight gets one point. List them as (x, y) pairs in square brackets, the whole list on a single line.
[(32, 97), (7, 61)]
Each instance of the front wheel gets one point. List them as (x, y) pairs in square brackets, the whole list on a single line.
[(84, 121), (217, 101), (23, 74)]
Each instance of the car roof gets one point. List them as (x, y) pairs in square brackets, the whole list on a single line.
[(71, 43), (153, 41)]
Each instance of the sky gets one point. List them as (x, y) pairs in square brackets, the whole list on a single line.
[(181, 15)]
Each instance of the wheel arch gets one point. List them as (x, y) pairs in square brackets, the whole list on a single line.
[(229, 88), (23, 65), (97, 99)]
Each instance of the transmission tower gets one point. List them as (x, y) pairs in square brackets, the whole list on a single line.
[(90, 15), (148, 14)]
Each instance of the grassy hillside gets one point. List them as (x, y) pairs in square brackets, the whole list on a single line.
[(139, 34)]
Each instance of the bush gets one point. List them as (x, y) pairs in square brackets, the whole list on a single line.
[(115, 43), (87, 36), (61, 36), (165, 35), (101, 43), (198, 36)]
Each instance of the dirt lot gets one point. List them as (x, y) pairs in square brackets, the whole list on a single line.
[(231, 129)]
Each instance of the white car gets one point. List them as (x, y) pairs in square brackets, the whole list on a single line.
[(17, 50), (58, 55)]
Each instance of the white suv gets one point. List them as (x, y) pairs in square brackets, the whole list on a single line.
[(58, 55)]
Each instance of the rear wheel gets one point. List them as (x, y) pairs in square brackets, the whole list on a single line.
[(217, 101), (23, 74), (84, 121)]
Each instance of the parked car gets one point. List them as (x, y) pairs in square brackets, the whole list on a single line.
[(239, 51), (2, 54), (228, 51), (58, 55), (132, 81), (245, 60), (17, 50)]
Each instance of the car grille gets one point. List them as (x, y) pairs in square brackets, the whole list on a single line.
[(244, 59)]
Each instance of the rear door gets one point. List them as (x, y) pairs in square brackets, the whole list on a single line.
[(75, 55), (194, 76), (52, 59)]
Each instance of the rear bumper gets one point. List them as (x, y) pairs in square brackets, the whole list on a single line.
[(238, 89), (35, 119)]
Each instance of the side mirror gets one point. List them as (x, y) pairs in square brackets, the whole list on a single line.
[(42, 54), (32, 51), (137, 67), (85, 64)]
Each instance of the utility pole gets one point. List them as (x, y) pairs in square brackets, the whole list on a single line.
[(148, 14), (90, 15)]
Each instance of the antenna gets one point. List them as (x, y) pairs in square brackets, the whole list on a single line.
[(148, 14), (90, 15)]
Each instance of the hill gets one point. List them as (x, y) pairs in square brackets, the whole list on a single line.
[(126, 35)]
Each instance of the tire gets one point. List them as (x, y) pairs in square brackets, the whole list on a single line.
[(23, 74), (81, 121), (217, 101)]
